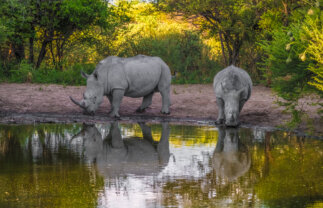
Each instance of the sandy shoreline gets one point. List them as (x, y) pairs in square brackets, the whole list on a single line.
[(189, 102)]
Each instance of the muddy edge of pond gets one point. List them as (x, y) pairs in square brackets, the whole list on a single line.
[(37, 118), (35, 103)]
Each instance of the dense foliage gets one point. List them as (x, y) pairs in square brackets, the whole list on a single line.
[(279, 42)]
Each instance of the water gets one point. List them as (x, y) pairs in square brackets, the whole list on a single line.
[(157, 165)]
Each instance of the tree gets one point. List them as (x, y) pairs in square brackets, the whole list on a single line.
[(59, 19), (292, 53), (313, 35), (18, 19), (51, 23), (232, 21)]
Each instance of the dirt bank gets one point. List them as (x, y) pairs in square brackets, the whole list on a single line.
[(195, 102)]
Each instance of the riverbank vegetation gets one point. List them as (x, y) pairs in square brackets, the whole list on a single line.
[(278, 42)]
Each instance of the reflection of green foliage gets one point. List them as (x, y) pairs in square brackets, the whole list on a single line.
[(67, 185), (212, 190), (55, 179), (190, 135), (286, 171), (295, 174), (23, 134)]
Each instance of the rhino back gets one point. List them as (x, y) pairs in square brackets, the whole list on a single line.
[(138, 76), (232, 78), (142, 76)]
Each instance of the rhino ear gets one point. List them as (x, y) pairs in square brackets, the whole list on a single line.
[(85, 75), (95, 75), (222, 87), (241, 91)]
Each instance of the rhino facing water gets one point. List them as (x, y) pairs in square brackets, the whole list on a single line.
[(115, 77), (232, 87)]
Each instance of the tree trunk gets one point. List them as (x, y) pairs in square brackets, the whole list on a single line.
[(52, 52), (19, 51), (31, 50), (268, 155), (236, 50), (286, 12), (42, 53), (222, 48)]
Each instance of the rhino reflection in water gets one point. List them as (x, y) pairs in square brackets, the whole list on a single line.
[(115, 155), (231, 158)]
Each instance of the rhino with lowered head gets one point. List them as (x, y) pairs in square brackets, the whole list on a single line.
[(232, 87), (115, 77)]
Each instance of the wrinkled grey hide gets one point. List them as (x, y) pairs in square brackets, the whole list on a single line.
[(115, 155), (231, 158), (115, 77), (232, 87)]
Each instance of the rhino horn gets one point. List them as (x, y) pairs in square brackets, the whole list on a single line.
[(77, 135), (81, 104), (85, 75), (222, 87), (240, 91)]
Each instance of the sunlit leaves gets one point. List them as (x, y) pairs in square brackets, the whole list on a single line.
[(313, 34)]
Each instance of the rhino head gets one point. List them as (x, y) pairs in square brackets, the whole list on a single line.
[(233, 101), (93, 95)]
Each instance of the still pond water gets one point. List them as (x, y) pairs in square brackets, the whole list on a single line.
[(157, 165)]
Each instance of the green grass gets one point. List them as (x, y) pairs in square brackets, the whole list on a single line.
[(26, 73)]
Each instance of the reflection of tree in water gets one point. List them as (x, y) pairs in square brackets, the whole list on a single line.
[(38, 143), (291, 170), (39, 170), (225, 184), (42, 166), (284, 171)]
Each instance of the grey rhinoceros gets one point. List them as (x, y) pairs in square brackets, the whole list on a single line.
[(115, 77), (232, 87)]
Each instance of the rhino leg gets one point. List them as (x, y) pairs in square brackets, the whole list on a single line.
[(115, 136), (163, 144), (117, 96), (110, 101), (220, 104), (165, 99), (146, 132), (146, 102), (220, 143), (242, 102)]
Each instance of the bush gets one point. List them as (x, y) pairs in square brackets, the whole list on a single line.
[(24, 72), (179, 45), (287, 69), (69, 76), (21, 72)]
